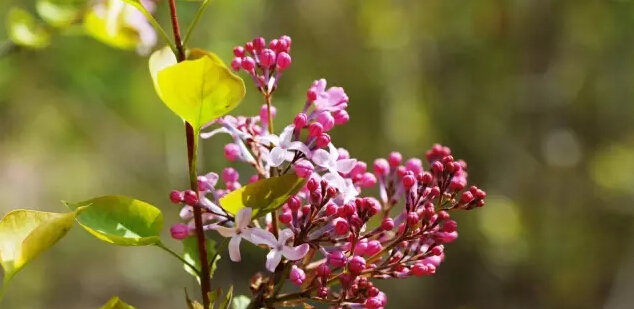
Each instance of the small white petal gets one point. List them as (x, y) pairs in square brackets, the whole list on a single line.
[(273, 259), (277, 156), (299, 146), (223, 231), (287, 136), (260, 236), (284, 236), (270, 139), (243, 218), (295, 253), (321, 158), (334, 153), (234, 248), (346, 165)]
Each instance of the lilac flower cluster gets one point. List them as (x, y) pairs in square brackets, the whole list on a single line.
[(332, 241)]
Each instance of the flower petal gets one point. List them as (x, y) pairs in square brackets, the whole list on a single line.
[(234, 248), (243, 217), (345, 165), (277, 156), (270, 139), (260, 236), (299, 146), (223, 231), (295, 253), (321, 158), (287, 136), (273, 259), (334, 153), (335, 180), (284, 236)]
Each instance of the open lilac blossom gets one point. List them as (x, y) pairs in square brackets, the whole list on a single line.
[(237, 233), (329, 161), (284, 146), (278, 247)]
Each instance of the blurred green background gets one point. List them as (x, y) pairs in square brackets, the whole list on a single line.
[(536, 95)]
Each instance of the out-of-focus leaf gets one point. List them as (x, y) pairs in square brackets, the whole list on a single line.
[(57, 13), (199, 89), (263, 196), (25, 31), (225, 304), (24, 234), (122, 37), (240, 302), (213, 296), (120, 220), (116, 303), (192, 304)]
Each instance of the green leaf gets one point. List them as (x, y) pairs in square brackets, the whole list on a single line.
[(57, 13), (241, 302), (190, 254), (116, 303), (263, 196), (24, 29), (225, 304), (199, 89), (120, 220), (24, 234), (213, 296), (192, 304)]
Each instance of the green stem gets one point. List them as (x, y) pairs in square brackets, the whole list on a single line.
[(223, 245), (180, 258), (194, 22)]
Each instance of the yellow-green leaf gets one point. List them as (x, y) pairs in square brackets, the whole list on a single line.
[(116, 303), (120, 220), (122, 37), (24, 234), (225, 304), (192, 304), (191, 255), (263, 196), (56, 13), (24, 29), (199, 89)]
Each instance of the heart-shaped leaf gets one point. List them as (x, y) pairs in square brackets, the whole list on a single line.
[(25, 31), (199, 89), (24, 234), (263, 196), (116, 303), (57, 13), (190, 254), (120, 220)]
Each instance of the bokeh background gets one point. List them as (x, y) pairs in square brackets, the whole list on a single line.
[(536, 95)]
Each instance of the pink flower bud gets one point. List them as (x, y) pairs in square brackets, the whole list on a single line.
[(297, 275), (254, 178), (312, 184), (286, 218), (300, 120), (437, 250), (236, 64), (337, 259), (294, 202), (287, 40), (412, 218), (356, 265), (437, 167), (343, 154), (326, 120), (415, 165), (264, 113), (176, 197), (304, 168), (361, 247), (381, 167), (190, 197), (283, 61), (373, 303), (368, 180), (450, 226), (374, 247), (341, 226), (323, 292), (232, 152), (234, 185), (395, 159), (267, 58), (323, 270), (315, 129), (311, 95), (238, 51), (323, 140), (359, 168), (446, 237), (387, 224), (426, 178), (230, 174), (457, 183), (179, 231), (248, 64), (409, 181), (249, 47), (341, 116), (419, 270), (259, 43), (331, 209)]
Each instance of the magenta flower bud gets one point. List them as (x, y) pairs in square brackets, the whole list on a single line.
[(373, 207), (450, 226), (387, 224), (282, 46), (337, 259), (287, 40), (412, 218), (409, 181), (415, 165), (254, 178), (179, 231), (315, 129), (442, 215), (481, 194), (232, 152), (322, 292), (326, 120), (437, 250), (315, 197), (427, 178), (401, 171), (457, 183), (297, 275), (311, 95), (341, 116), (434, 192), (249, 47), (343, 154), (419, 270), (381, 167), (437, 167), (466, 197), (259, 43), (264, 113), (446, 237), (368, 180), (274, 44), (331, 209), (356, 265), (236, 64), (361, 247), (230, 174), (203, 183), (312, 185), (374, 247), (267, 58), (359, 168), (283, 61), (323, 140), (323, 270), (331, 191), (286, 217), (234, 185), (294, 202), (190, 197), (300, 120), (238, 51), (394, 158), (341, 226), (373, 303), (306, 209), (372, 292), (248, 64), (304, 168), (176, 197), (349, 209)]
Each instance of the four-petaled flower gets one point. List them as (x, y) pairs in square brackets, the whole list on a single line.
[(239, 231), (329, 161), (284, 146), (278, 247)]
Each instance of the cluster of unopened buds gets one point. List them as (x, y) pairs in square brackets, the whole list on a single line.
[(328, 239)]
